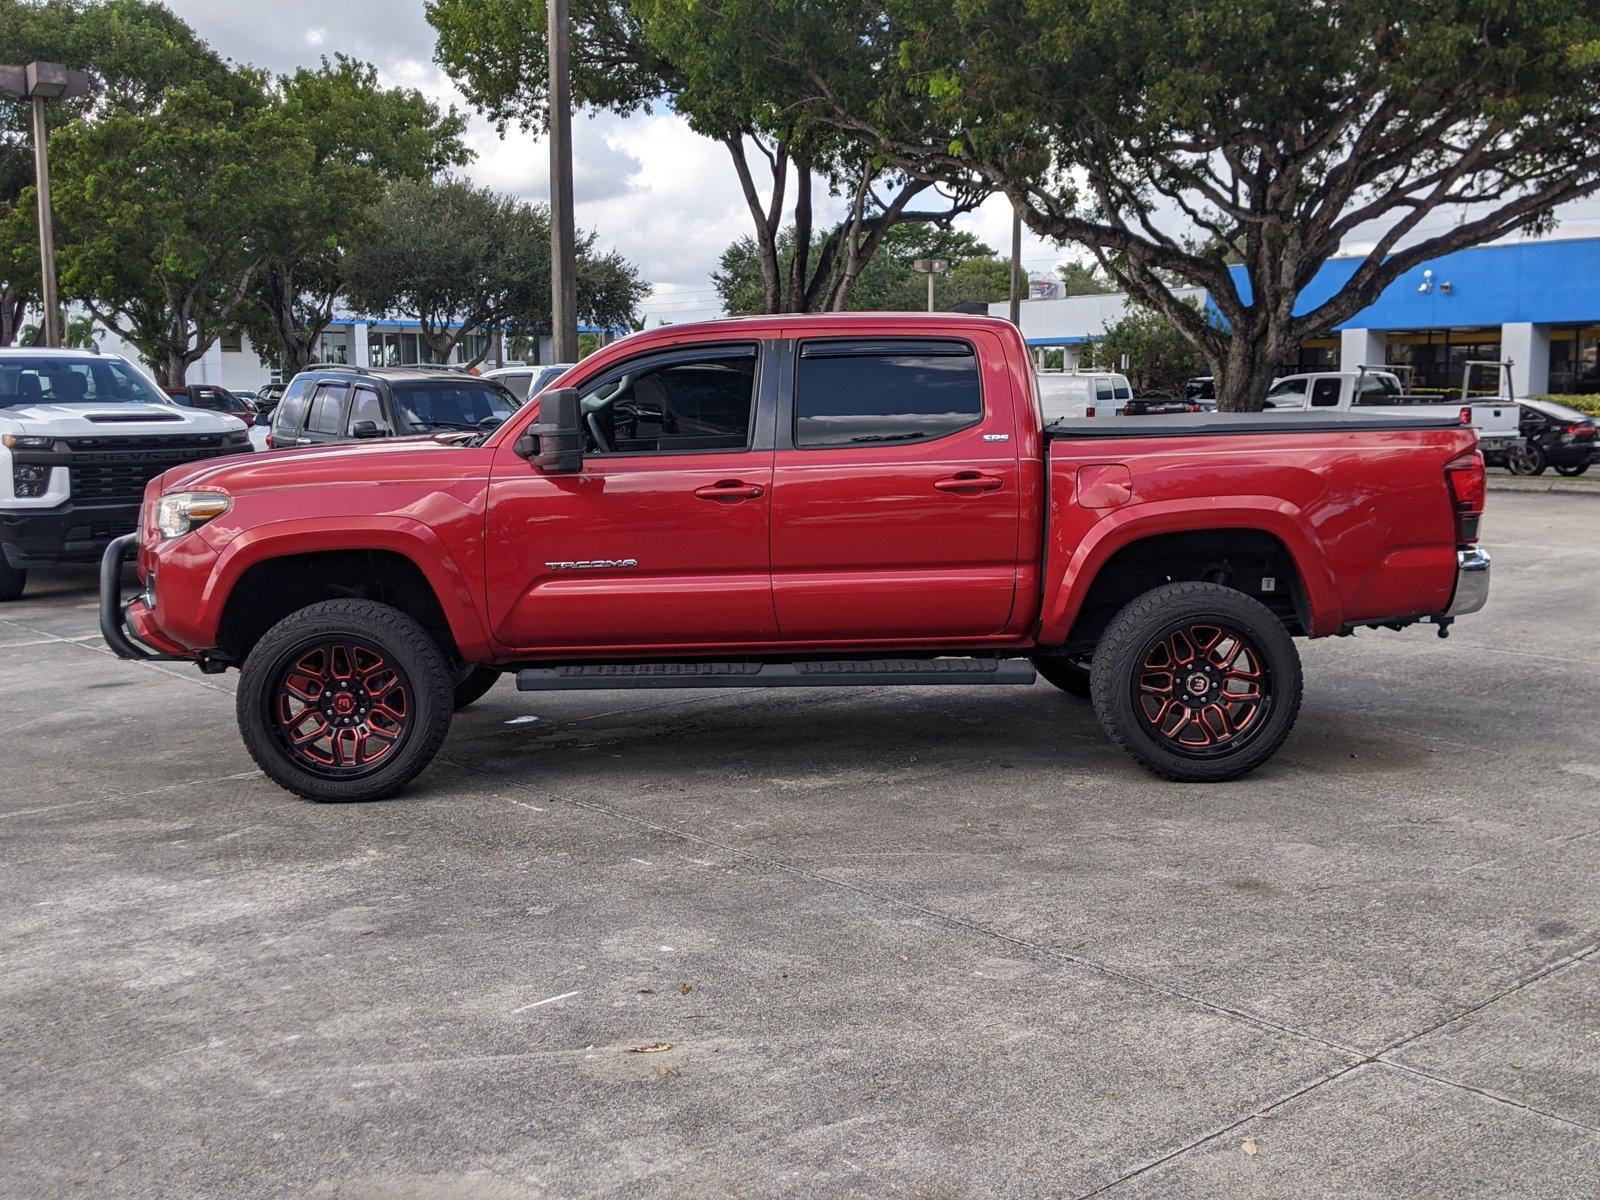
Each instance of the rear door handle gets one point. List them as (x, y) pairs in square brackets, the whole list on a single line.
[(970, 481), (729, 489)]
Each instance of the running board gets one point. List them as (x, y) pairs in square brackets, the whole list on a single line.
[(876, 672)]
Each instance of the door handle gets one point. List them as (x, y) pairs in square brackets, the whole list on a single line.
[(970, 481), (729, 489)]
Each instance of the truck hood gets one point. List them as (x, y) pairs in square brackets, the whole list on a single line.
[(311, 464), (86, 419)]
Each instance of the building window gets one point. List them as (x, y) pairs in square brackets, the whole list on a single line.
[(333, 347), (1575, 359), (383, 348), (231, 341), (1438, 358)]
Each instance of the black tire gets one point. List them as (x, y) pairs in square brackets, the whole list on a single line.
[(1527, 458), (12, 580), (1070, 676), (1572, 471), (1127, 660), (368, 632), (473, 686)]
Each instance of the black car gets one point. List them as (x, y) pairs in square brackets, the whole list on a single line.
[(337, 403), (1553, 435), (268, 396), (214, 399)]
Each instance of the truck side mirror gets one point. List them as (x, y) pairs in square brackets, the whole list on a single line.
[(365, 429), (554, 443)]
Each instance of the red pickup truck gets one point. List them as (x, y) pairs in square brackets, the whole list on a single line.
[(786, 501)]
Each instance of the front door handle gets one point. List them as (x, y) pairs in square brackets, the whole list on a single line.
[(729, 489), (970, 481)]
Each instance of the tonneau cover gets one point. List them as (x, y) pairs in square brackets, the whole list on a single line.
[(1211, 424)]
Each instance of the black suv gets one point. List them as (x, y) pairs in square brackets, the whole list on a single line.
[(331, 402)]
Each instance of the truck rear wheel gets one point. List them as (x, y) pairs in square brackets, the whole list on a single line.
[(1199, 682), (12, 580), (345, 700)]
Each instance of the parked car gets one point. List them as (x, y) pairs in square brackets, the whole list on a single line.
[(1066, 395), (528, 380), (213, 398), (81, 433), (1369, 389), (1553, 435), (341, 403), (1155, 404), (1201, 388), (267, 397), (786, 501)]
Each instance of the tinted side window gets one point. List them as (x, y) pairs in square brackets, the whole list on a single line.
[(326, 408), (848, 393), (676, 407), (366, 405), (1325, 393), (291, 410), (1102, 389), (517, 384)]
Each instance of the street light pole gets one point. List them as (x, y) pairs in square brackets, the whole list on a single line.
[(1016, 265), (930, 267), (36, 83), (47, 240), (563, 235)]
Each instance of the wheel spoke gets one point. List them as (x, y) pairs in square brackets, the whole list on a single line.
[(1202, 689), (341, 708)]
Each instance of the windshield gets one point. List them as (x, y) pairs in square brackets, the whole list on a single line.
[(53, 379), (473, 404)]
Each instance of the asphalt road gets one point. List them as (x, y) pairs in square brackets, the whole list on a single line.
[(911, 943)]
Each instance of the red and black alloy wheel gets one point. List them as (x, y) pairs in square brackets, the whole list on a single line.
[(1204, 689), (341, 708)]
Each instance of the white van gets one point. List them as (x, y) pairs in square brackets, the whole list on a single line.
[(1079, 394)]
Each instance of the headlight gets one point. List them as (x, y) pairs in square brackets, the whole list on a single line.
[(180, 512), (238, 436), (18, 441)]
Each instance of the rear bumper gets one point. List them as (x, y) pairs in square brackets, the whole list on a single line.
[(1472, 582)]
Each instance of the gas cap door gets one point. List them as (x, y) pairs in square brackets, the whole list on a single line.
[(1104, 485)]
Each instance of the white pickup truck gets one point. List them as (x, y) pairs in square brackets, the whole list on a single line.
[(1376, 390)]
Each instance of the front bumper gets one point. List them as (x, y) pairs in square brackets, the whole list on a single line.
[(126, 626), (1472, 582), (67, 533)]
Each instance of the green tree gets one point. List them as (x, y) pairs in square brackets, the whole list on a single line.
[(1172, 136), (160, 213), (361, 136), (1082, 279), (1159, 357), (462, 260), (629, 54), (133, 50)]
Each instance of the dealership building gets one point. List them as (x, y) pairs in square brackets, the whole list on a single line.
[(1534, 303)]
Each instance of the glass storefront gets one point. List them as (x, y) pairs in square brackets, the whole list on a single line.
[(1575, 359), (1438, 357)]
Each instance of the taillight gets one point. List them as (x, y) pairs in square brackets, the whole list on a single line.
[(1467, 492), (1466, 415), (269, 440), (1127, 410), (1089, 412), (1583, 431), (1194, 408)]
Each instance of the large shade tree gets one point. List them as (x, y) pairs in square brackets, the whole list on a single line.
[(361, 137), (133, 50), (1178, 139), (462, 261), (630, 54)]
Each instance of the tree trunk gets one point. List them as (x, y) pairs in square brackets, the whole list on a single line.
[(177, 368), (1250, 362), (11, 306)]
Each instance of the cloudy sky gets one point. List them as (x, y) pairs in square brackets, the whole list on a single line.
[(665, 197)]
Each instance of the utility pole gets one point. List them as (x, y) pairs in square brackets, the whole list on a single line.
[(563, 235), (38, 82), (930, 267), (1016, 265)]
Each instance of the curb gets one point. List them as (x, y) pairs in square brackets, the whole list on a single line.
[(1564, 487)]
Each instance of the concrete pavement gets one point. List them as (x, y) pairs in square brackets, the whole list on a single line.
[(901, 943)]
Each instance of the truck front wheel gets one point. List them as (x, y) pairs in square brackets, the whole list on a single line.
[(12, 580), (345, 700), (1197, 681)]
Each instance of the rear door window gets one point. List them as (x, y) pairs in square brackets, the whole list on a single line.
[(851, 393), (327, 409)]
